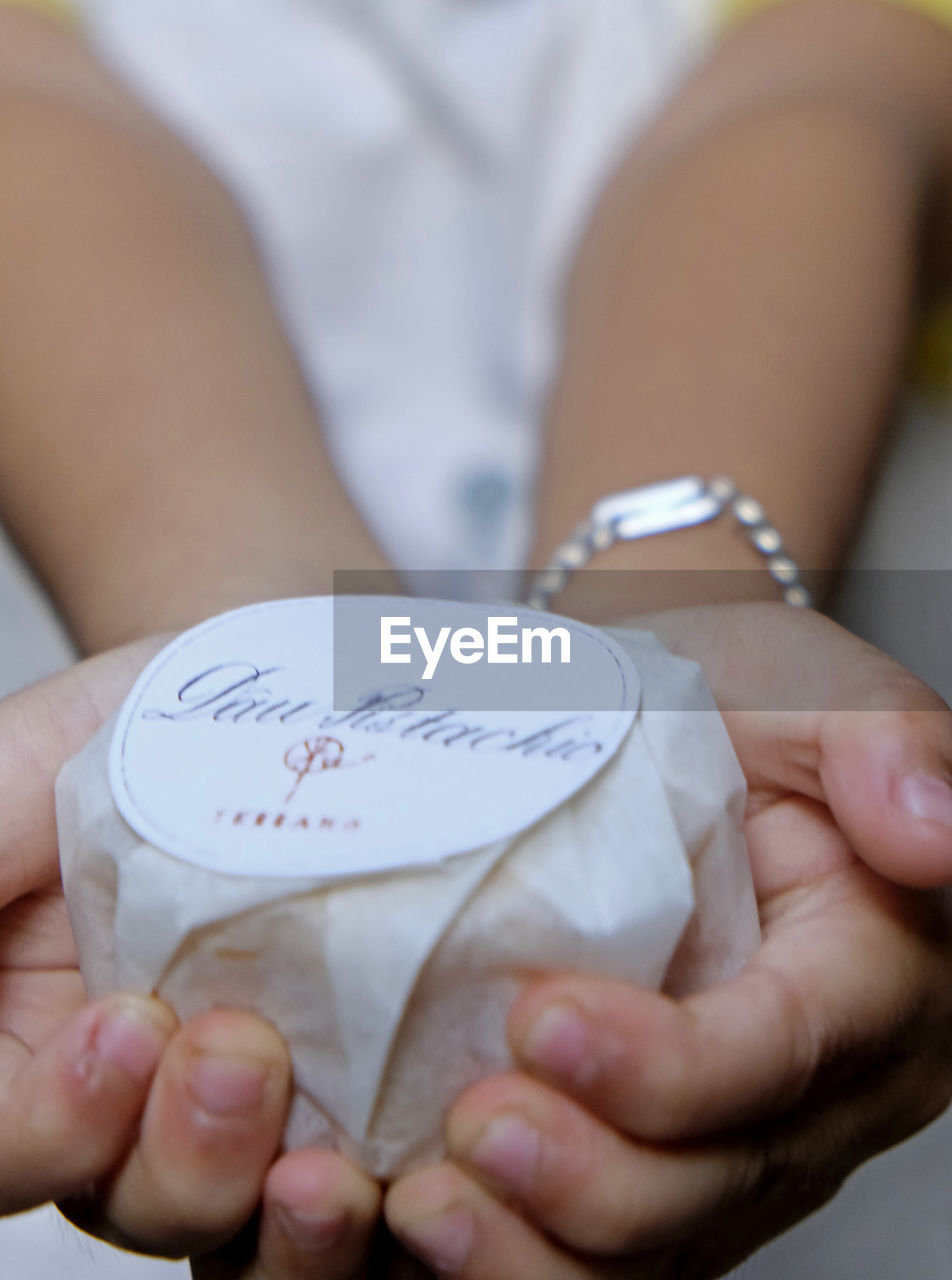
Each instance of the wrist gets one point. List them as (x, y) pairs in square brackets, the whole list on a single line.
[(117, 599)]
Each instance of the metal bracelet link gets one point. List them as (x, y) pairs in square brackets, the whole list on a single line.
[(662, 508)]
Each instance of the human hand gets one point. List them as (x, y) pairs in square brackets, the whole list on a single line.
[(101, 1105), (650, 1137)]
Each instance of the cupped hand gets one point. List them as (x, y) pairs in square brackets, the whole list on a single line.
[(154, 1136), (651, 1137)]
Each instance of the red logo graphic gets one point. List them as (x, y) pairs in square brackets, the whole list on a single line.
[(314, 756)]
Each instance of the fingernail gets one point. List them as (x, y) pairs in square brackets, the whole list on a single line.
[(126, 1036), (312, 1233), (227, 1086), (563, 1043), (508, 1151), (443, 1241), (924, 796)]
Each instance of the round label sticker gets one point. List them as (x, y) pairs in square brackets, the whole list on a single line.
[(337, 737)]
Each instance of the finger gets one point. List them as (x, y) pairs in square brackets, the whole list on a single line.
[(36, 936), (69, 1111), (42, 727), (813, 709), (458, 1229), (583, 1183), (841, 978), (211, 1128), (318, 1218), (886, 777), (320, 1214), (34, 1007)]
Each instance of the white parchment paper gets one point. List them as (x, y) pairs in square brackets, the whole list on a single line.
[(392, 989)]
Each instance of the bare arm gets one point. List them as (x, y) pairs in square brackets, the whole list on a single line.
[(160, 458), (743, 299)]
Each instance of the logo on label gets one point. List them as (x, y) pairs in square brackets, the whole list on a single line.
[(314, 756)]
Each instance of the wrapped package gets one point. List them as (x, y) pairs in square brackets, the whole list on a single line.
[(430, 874)]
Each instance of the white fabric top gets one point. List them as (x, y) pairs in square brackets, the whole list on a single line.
[(417, 174)]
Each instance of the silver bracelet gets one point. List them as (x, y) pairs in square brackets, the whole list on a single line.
[(661, 508)]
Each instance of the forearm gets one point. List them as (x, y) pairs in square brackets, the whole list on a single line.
[(160, 458), (743, 299)]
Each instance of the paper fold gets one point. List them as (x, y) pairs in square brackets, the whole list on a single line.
[(392, 989)]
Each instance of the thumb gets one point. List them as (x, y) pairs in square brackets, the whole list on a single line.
[(886, 777), (69, 1111), (813, 710), (41, 727)]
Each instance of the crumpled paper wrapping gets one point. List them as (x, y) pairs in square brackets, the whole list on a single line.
[(392, 990)]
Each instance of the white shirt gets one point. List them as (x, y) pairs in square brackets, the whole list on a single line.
[(417, 173)]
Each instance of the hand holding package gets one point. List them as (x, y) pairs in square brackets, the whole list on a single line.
[(388, 944)]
